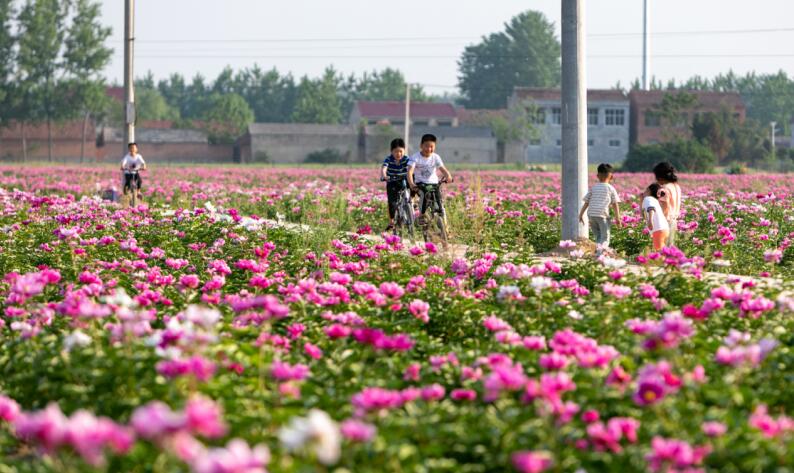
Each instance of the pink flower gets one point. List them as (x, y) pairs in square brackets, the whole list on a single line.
[(615, 290), (357, 431), (282, 371), (532, 462), (47, 428), (495, 324), (391, 290), (155, 420), (714, 429), (204, 417), (420, 309), (9, 409), (434, 392), (237, 457), (312, 350), (463, 394), (674, 455)]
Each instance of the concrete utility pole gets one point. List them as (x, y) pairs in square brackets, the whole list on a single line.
[(129, 86), (574, 119), (646, 45), (774, 124), (407, 115)]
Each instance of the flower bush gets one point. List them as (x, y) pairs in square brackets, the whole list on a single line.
[(195, 334)]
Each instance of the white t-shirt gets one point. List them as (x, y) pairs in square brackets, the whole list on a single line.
[(658, 222), (425, 168), (132, 162)]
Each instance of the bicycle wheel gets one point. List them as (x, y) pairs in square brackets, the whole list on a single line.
[(133, 197), (441, 227)]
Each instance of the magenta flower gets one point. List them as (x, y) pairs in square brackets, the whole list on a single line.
[(204, 417), (282, 371), (357, 431), (420, 310), (9, 409), (714, 429), (155, 420), (236, 457), (532, 461)]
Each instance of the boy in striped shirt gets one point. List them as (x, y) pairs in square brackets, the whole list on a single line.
[(394, 171), (597, 202)]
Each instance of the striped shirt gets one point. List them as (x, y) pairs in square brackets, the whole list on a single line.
[(396, 170), (599, 198)]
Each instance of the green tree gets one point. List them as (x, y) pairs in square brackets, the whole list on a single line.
[(226, 117), (41, 35), (714, 130), (7, 59), (84, 59), (388, 84), (673, 113), (150, 105), (317, 100), (515, 125), (526, 53), (685, 155)]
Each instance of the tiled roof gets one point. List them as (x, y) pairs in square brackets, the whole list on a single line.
[(650, 97), (397, 109), (71, 130), (537, 93)]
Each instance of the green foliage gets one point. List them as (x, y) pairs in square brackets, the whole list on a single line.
[(7, 42), (226, 117), (318, 101), (327, 156), (526, 53), (150, 105), (686, 155)]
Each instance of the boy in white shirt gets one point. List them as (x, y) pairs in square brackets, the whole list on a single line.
[(422, 175), (654, 216), (132, 162), (597, 203)]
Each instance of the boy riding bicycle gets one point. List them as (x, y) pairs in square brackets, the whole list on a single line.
[(394, 172), (132, 163), (422, 175)]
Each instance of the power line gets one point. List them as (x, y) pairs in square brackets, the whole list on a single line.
[(450, 38), (412, 56)]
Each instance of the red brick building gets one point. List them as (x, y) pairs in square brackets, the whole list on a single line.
[(647, 126), (393, 113), (67, 142)]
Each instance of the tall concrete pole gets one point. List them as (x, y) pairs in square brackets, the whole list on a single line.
[(407, 115), (574, 119), (646, 45), (129, 86)]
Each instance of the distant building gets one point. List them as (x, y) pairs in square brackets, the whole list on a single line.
[(607, 124), (393, 113), (292, 142), (67, 141), (647, 125), (163, 145)]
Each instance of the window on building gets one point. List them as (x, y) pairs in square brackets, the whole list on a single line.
[(592, 116), (614, 143), (445, 123), (420, 122), (683, 119), (398, 123), (556, 116), (590, 142), (538, 116), (615, 117), (652, 119), (559, 142), (534, 142)]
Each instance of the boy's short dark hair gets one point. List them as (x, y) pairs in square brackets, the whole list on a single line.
[(429, 137), (397, 143), (131, 144), (605, 169)]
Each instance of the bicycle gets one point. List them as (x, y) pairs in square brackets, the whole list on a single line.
[(131, 180), (403, 214), (434, 218)]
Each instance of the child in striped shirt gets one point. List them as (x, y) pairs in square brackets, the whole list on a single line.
[(394, 171), (597, 202)]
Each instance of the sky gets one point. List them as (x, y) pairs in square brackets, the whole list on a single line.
[(424, 39)]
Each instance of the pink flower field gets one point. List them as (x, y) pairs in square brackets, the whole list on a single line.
[(203, 332)]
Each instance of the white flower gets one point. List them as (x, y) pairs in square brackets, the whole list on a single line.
[(211, 208), (203, 316), (567, 244), (539, 283), (250, 224), (613, 262), (76, 339), (721, 262), (318, 431), (576, 315), (119, 298)]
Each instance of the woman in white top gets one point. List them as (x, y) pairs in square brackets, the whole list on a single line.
[(654, 216), (671, 203)]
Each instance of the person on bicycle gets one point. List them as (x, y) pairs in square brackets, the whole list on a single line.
[(394, 171), (422, 175), (132, 162)]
